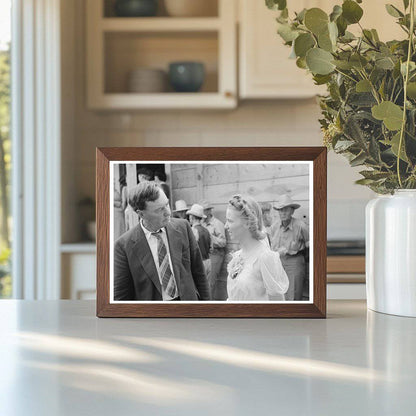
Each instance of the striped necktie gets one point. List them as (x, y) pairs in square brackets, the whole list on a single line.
[(166, 275)]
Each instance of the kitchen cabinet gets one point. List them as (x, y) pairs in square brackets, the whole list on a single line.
[(118, 45), (78, 263), (265, 70)]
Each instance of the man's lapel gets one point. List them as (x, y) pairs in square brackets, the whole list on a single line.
[(142, 250), (175, 248)]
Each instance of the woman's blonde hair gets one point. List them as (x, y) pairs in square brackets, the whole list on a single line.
[(251, 211)]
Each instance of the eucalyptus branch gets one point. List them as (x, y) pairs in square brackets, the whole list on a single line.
[(392, 90), (373, 89), (346, 75), (397, 95), (406, 79)]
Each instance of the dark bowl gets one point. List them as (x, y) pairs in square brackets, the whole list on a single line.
[(186, 76), (136, 8)]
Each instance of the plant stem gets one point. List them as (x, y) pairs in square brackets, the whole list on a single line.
[(373, 90), (345, 75), (406, 79)]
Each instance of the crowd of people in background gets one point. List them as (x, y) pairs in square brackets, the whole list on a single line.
[(281, 246)]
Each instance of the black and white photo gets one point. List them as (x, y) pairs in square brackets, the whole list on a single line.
[(211, 231)]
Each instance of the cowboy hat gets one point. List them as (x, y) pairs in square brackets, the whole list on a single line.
[(285, 201), (180, 205), (206, 205), (197, 211)]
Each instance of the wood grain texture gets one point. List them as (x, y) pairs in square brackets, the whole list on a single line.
[(346, 264), (317, 309)]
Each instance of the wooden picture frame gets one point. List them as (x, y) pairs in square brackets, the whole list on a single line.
[(315, 308)]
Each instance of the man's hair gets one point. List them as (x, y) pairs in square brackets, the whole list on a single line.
[(147, 172), (142, 193), (161, 175)]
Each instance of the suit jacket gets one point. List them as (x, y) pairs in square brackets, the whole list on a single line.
[(135, 273)]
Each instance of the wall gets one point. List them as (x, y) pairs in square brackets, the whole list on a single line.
[(256, 123), (216, 183)]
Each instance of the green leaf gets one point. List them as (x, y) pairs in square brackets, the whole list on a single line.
[(347, 37), (333, 32), (319, 61), (301, 63), (341, 64), (363, 86), (394, 144), (368, 36), (321, 79), (364, 181), (358, 61), (412, 67), (286, 32), (361, 99), (343, 145), (375, 35), (336, 12), (316, 20), (276, 4), (385, 63), (342, 25), (374, 150), (325, 43), (303, 43), (351, 11), (358, 160), (411, 90), (375, 175), (390, 113), (393, 11), (300, 16)]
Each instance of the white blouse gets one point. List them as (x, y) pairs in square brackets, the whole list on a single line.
[(256, 276)]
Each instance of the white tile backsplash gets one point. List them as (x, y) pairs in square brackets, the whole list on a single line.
[(257, 123)]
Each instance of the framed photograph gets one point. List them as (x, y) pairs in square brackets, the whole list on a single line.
[(211, 232)]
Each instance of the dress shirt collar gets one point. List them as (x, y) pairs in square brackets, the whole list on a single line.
[(289, 226), (209, 221), (147, 232)]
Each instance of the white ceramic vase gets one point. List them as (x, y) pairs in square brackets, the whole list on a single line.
[(391, 253)]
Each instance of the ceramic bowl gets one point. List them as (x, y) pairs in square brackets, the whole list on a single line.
[(135, 8), (186, 76)]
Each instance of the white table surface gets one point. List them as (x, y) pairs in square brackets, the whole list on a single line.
[(57, 358)]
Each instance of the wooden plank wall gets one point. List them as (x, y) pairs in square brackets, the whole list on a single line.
[(217, 183)]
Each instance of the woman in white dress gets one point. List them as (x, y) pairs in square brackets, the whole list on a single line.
[(255, 272)]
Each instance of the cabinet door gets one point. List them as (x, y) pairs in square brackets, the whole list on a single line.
[(265, 68)]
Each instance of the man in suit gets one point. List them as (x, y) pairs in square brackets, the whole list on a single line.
[(159, 259)]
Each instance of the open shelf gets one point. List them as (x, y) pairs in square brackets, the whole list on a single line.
[(210, 9), (194, 101), (160, 24), (116, 46), (127, 51)]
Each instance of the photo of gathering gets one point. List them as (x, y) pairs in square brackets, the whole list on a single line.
[(211, 231)]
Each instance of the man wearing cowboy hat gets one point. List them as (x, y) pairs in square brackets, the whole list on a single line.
[(180, 209), (290, 237), (202, 235), (218, 282)]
